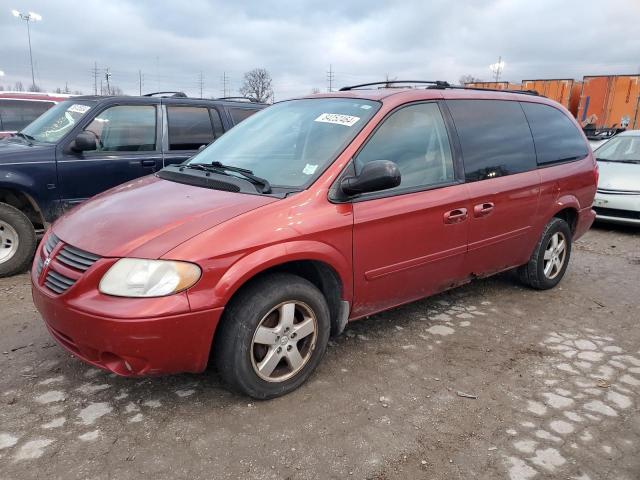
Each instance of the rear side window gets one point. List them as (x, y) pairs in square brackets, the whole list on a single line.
[(17, 114), (494, 136), (240, 114), (189, 127), (557, 139), (217, 122), (415, 139)]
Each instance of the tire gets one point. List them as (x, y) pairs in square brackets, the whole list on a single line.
[(536, 273), (17, 241), (259, 330)]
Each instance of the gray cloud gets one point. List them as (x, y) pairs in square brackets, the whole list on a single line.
[(171, 42)]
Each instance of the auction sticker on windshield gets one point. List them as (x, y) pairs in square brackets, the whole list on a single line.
[(77, 108), (337, 118)]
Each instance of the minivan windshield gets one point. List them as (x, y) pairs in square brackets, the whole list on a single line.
[(292, 142), (53, 124), (625, 149)]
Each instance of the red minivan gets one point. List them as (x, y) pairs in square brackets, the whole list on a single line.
[(309, 214)]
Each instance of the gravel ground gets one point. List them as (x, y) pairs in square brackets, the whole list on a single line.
[(491, 380)]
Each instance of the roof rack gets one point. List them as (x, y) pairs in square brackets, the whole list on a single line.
[(166, 94), (438, 84), (246, 99)]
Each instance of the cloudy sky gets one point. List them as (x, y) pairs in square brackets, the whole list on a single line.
[(171, 42)]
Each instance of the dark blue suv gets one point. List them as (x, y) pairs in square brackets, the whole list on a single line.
[(86, 145)]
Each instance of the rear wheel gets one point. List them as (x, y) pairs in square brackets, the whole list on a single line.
[(550, 258), (272, 336), (17, 241)]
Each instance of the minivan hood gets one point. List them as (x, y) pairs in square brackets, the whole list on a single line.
[(147, 217), (619, 176)]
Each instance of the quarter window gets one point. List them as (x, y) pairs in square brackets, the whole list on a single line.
[(240, 114), (556, 137), (125, 128), (415, 139), (217, 122), (189, 128), (494, 136)]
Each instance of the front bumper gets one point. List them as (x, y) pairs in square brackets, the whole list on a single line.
[(131, 347), (622, 208)]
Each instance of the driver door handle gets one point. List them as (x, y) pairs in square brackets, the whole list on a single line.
[(148, 163), (483, 209)]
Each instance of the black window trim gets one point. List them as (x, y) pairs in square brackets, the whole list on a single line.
[(336, 195), (562, 161), (214, 108)]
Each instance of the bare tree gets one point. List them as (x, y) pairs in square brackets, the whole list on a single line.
[(35, 88), (18, 87), (468, 79), (315, 90), (116, 90), (257, 85)]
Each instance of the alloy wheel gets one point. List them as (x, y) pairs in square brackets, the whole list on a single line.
[(555, 255), (284, 341)]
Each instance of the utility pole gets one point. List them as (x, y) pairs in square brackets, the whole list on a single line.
[(107, 77), (330, 78), (140, 81), (95, 78), (28, 18), (201, 83), (497, 68), (225, 84)]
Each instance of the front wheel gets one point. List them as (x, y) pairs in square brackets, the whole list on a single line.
[(550, 258), (272, 336), (17, 241)]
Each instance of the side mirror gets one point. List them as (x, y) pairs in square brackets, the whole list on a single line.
[(85, 141), (375, 176)]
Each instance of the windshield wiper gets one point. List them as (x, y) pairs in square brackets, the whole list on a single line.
[(218, 167), (617, 161), (29, 138)]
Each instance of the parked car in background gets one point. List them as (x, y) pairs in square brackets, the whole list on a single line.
[(618, 196), (309, 214), (19, 109), (86, 145)]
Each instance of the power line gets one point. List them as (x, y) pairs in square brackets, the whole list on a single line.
[(94, 71), (225, 84)]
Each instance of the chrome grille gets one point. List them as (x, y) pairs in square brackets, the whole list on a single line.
[(76, 258), (58, 282)]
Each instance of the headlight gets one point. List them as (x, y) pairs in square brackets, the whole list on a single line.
[(134, 277)]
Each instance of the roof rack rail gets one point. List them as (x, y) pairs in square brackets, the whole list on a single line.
[(247, 99), (436, 83), (166, 94)]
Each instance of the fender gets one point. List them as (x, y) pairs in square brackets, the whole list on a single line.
[(22, 184), (258, 261)]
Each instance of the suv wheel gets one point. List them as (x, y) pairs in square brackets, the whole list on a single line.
[(17, 241), (272, 336), (550, 257)]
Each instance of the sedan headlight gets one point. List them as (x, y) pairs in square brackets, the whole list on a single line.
[(134, 277)]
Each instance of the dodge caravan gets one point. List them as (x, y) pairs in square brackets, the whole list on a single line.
[(312, 213)]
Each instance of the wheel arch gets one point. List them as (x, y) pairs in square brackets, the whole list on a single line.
[(25, 203), (321, 264), (567, 208)]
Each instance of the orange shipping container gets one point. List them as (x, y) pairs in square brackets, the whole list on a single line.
[(491, 85), (565, 91), (613, 99)]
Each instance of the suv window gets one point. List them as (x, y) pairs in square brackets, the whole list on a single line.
[(557, 139), (189, 127), (240, 114), (125, 128), (414, 138), (17, 114), (494, 136)]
